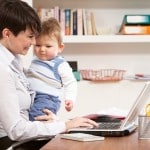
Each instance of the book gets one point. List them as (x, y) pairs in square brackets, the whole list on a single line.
[(57, 13), (71, 21), (141, 19), (45, 13), (139, 76), (84, 22), (74, 24), (94, 31), (62, 20), (135, 29), (88, 22), (135, 20), (79, 21), (67, 21)]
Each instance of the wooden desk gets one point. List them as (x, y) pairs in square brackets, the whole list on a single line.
[(130, 142)]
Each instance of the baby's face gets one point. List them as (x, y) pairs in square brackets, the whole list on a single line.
[(46, 48)]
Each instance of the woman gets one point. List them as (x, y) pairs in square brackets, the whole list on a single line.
[(19, 24)]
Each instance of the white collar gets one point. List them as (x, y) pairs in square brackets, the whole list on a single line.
[(6, 56)]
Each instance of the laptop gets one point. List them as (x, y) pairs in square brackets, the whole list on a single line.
[(124, 126)]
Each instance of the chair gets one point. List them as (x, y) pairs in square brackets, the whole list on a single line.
[(34, 143)]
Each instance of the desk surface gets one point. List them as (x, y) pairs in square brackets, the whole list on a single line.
[(130, 142)]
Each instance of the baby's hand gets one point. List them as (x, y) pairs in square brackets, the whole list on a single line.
[(68, 105)]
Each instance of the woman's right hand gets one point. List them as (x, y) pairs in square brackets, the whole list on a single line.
[(80, 122), (49, 116)]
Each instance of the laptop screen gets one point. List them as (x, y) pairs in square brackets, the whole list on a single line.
[(141, 100)]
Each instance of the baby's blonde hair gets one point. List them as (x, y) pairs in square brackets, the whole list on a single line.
[(51, 27)]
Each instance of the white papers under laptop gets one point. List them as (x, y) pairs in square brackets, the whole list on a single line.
[(127, 126)]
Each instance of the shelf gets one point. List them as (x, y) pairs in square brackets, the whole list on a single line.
[(92, 3), (108, 39)]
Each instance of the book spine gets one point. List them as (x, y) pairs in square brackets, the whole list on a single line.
[(79, 21), (62, 21), (84, 22), (67, 21), (44, 14), (50, 12), (57, 13), (94, 30), (137, 19), (71, 21), (75, 27), (137, 29), (88, 21)]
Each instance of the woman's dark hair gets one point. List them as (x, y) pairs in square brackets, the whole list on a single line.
[(17, 15)]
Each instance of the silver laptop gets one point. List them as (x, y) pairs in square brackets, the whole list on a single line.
[(122, 127)]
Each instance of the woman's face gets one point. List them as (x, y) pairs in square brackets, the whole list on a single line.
[(19, 44)]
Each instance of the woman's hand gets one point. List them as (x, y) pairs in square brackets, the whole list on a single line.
[(80, 122), (49, 116)]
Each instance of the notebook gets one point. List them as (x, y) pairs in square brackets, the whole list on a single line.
[(127, 125)]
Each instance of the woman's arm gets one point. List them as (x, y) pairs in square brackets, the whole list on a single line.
[(15, 102)]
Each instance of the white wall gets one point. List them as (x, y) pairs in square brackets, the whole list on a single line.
[(94, 97), (30, 2), (27, 59)]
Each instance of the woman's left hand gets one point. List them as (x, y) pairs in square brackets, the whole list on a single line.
[(49, 116)]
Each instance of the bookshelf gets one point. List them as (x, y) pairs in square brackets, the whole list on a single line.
[(128, 52), (108, 14), (108, 39)]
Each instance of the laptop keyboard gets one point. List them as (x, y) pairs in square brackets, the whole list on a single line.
[(108, 125)]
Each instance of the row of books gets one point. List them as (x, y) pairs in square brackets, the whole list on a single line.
[(136, 24), (73, 21)]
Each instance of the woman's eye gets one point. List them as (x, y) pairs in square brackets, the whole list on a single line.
[(37, 45), (31, 36)]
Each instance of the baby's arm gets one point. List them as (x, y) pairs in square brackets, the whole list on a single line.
[(70, 85)]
